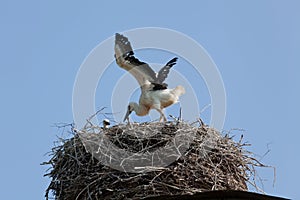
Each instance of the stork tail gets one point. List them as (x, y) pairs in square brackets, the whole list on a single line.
[(178, 91)]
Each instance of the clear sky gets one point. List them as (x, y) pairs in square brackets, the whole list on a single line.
[(255, 45)]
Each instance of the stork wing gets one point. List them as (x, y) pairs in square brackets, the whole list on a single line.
[(163, 73), (125, 59)]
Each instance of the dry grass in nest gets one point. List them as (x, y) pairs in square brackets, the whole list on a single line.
[(199, 159)]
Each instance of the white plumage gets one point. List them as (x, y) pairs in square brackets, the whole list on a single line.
[(154, 92)]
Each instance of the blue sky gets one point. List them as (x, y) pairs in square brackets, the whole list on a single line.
[(255, 45)]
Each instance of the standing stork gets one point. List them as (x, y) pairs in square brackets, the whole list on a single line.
[(154, 92)]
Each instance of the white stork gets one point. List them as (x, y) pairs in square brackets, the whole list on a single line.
[(106, 123), (154, 92)]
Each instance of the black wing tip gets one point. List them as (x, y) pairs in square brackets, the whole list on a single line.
[(124, 44), (174, 59), (172, 62), (120, 37)]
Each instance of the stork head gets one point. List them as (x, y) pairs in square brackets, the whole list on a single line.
[(130, 108), (106, 123)]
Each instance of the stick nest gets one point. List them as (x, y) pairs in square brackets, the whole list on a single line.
[(145, 160)]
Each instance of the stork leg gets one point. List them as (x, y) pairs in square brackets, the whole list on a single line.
[(162, 115), (163, 118)]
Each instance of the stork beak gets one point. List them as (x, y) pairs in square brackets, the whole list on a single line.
[(127, 115)]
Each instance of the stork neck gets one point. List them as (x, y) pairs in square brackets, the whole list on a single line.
[(140, 110)]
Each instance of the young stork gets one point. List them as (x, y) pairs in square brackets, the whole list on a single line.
[(154, 92)]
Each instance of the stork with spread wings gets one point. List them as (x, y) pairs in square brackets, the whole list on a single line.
[(155, 94)]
